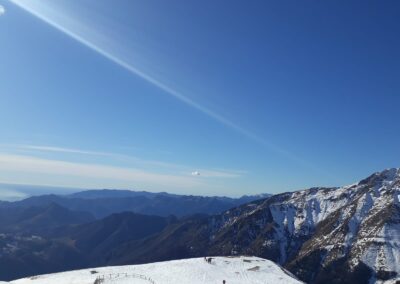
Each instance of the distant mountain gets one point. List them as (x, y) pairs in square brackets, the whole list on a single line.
[(98, 238), (117, 193), (39, 219), (42, 234), (25, 245), (101, 203), (59, 248)]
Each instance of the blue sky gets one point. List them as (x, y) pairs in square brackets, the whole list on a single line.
[(198, 97)]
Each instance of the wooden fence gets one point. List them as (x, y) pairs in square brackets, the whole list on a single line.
[(103, 279)]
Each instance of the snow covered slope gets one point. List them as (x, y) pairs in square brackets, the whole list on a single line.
[(233, 270), (320, 234)]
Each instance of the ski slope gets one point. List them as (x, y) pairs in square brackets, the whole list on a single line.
[(234, 270)]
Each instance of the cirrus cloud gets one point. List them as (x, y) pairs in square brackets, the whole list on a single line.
[(2, 10), (31, 170), (71, 171)]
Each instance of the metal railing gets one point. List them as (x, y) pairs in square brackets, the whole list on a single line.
[(112, 276)]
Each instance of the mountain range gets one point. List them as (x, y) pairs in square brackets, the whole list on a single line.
[(48, 233), (101, 203), (347, 234)]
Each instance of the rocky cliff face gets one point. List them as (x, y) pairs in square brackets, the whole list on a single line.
[(361, 232), (342, 234)]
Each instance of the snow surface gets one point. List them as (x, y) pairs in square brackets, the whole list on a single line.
[(234, 270)]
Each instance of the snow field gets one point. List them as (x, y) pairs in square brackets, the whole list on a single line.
[(234, 270)]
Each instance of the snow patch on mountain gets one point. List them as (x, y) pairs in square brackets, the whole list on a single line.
[(355, 227)]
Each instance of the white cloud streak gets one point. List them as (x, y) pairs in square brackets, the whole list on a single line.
[(206, 173), (2, 10), (116, 156), (32, 168), (63, 150), (133, 176)]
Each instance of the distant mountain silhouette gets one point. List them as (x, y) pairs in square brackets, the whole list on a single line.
[(101, 203)]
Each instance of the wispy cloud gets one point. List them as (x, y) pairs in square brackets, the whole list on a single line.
[(33, 166), (183, 169), (116, 156), (130, 176), (62, 150), (2, 10)]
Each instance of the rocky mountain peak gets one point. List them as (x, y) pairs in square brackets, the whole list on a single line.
[(388, 176)]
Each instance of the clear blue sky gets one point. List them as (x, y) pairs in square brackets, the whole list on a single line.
[(198, 97)]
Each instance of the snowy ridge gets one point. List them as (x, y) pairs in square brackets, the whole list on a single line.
[(349, 227), (233, 270)]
